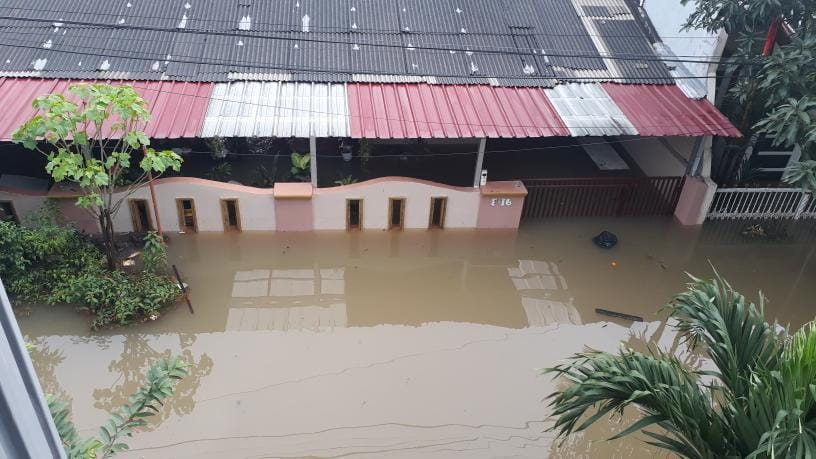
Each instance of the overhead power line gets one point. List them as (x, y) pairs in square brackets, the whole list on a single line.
[(242, 66), (287, 27), (76, 33), (240, 34)]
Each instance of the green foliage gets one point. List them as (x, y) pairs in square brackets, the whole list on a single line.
[(771, 95), (300, 166), (221, 172), (760, 402), (81, 155), (217, 147), (160, 382), (346, 180), (54, 265), (264, 178), (802, 174), (154, 253)]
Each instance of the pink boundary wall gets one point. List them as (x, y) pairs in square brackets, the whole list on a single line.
[(299, 207), (501, 204), (695, 200)]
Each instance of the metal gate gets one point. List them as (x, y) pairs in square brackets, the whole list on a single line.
[(601, 196)]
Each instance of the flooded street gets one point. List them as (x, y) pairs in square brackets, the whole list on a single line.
[(414, 344)]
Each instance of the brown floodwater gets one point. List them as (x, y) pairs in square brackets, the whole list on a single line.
[(414, 344)]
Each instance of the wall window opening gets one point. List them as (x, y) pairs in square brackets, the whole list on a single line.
[(438, 206), (354, 214), (396, 213), (231, 215), (7, 213), (140, 216), (187, 216)]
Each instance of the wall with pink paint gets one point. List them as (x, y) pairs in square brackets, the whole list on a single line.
[(260, 211), (81, 219), (695, 200), (330, 203), (256, 205), (494, 215), (25, 203), (294, 214)]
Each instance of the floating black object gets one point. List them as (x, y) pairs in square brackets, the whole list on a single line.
[(605, 240), (619, 315)]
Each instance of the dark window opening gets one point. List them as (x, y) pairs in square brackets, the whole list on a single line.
[(354, 214), (7, 213), (438, 206), (187, 217), (140, 216), (396, 213), (231, 215)]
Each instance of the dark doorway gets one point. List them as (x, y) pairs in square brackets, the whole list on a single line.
[(231, 215), (187, 216), (438, 207), (140, 216), (354, 214), (7, 213), (396, 213)]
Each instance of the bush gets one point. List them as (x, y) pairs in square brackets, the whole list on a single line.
[(54, 265)]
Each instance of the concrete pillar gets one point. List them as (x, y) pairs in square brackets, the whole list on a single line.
[(313, 159), (477, 175), (695, 200)]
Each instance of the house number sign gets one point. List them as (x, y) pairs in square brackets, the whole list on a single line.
[(501, 202)]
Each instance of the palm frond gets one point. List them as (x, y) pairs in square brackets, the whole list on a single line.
[(667, 394), (733, 329), (782, 402)]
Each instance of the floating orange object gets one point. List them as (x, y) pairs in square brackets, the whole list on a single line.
[(614, 264)]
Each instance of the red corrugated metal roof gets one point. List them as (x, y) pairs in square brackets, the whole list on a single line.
[(663, 110), (177, 108), (394, 111)]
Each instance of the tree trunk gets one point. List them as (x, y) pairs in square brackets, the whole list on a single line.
[(108, 238)]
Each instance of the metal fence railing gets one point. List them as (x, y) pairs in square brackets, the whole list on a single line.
[(761, 203), (601, 196)]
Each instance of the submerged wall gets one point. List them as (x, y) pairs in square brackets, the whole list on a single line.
[(293, 207)]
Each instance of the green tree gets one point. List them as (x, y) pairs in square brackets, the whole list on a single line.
[(758, 402), (770, 95), (147, 401), (90, 138)]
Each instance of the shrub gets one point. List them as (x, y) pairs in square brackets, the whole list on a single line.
[(154, 254), (54, 265)]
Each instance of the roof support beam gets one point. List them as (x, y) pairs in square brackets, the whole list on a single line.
[(477, 175)]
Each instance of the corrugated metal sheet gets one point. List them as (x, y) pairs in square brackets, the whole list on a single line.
[(272, 109), (622, 38), (663, 110), (589, 111), (561, 35), (177, 108), (683, 78), (452, 111)]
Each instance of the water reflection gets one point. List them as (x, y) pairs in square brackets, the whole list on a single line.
[(288, 299), (46, 359), (136, 357), (413, 344)]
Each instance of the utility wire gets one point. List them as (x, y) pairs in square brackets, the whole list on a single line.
[(458, 153), (240, 34), (42, 32), (243, 67), (290, 27)]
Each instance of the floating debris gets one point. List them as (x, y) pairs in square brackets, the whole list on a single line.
[(618, 315), (605, 240)]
